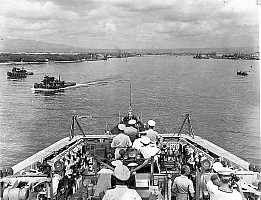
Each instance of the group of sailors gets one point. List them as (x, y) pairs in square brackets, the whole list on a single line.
[(144, 143), (222, 185)]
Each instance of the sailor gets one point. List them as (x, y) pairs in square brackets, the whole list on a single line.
[(214, 183), (224, 191), (149, 149), (182, 185), (151, 133), (46, 168), (120, 141), (56, 178), (137, 144), (131, 131), (121, 191)]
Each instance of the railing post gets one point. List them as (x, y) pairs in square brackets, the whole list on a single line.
[(198, 179), (71, 134)]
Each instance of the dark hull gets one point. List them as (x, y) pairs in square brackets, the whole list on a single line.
[(16, 75), (242, 73), (50, 88)]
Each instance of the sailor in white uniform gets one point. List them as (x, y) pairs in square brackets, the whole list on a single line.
[(149, 149), (120, 141), (121, 191)]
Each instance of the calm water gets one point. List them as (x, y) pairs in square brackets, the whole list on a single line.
[(224, 107)]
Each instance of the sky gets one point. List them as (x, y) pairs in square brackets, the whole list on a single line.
[(133, 24)]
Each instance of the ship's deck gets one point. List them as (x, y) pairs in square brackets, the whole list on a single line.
[(219, 151)]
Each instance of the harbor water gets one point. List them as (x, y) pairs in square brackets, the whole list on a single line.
[(224, 108)]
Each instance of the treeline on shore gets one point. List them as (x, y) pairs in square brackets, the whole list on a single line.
[(79, 57), (61, 57), (23, 57)]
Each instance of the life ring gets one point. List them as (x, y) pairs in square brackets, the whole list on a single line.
[(206, 164), (58, 165)]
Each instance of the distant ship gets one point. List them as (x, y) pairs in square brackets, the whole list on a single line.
[(18, 73), (51, 84), (200, 56), (242, 73)]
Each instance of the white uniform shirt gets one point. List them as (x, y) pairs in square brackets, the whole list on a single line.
[(137, 143), (121, 140), (182, 184), (153, 135), (211, 188), (149, 151), (121, 192), (217, 194)]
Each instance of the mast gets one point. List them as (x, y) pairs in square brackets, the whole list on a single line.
[(130, 97)]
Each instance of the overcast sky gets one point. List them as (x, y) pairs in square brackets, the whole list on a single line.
[(133, 23)]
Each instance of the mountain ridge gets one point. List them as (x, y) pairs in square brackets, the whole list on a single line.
[(8, 45)]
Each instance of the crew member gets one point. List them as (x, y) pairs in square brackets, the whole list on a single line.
[(182, 185), (224, 191), (120, 141), (148, 150), (130, 130), (121, 191), (213, 183), (137, 144), (151, 133)]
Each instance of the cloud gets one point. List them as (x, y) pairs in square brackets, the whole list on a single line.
[(131, 24)]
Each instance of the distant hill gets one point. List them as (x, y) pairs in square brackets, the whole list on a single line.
[(250, 49), (22, 45)]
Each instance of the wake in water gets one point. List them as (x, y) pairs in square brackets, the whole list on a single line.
[(99, 82)]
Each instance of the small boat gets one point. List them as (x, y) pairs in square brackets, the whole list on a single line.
[(18, 73), (242, 73), (52, 84)]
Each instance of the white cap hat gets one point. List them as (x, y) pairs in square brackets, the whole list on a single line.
[(225, 171), (121, 127), (116, 163), (151, 123), (218, 167), (105, 171), (132, 165), (132, 121), (145, 140), (122, 172)]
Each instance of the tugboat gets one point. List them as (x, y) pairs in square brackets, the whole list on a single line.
[(242, 73), (18, 73), (52, 84)]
